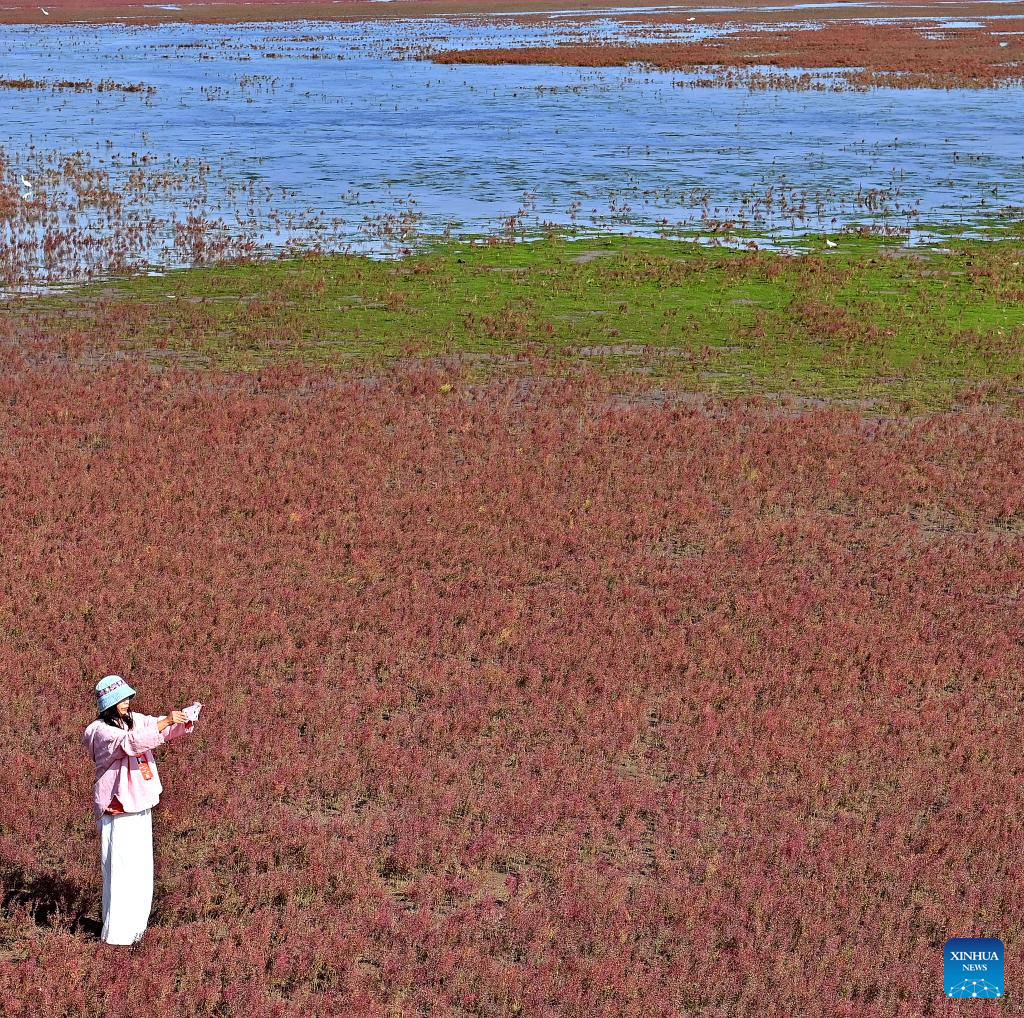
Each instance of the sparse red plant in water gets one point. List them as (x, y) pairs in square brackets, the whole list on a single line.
[(153, 212)]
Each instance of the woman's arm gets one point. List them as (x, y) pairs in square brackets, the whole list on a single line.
[(135, 741), (175, 725)]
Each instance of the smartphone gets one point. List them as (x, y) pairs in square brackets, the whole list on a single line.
[(192, 713)]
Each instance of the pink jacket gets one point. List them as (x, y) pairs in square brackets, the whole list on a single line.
[(124, 762)]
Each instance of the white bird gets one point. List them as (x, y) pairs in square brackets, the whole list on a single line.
[(691, 19), (1004, 44), (45, 11), (830, 243), (26, 183)]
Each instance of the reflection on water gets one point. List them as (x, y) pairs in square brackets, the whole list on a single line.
[(335, 132)]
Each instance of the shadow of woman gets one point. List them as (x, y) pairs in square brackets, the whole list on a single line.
[(50, 900)]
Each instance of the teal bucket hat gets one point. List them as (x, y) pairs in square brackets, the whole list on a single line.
[(111, 689)]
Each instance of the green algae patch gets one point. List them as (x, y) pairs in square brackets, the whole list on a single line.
[(858, 319)]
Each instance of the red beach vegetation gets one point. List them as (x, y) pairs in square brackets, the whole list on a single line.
[(523, 699), (902, 56)]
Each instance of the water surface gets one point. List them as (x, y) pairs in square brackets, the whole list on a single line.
[(335, 132)]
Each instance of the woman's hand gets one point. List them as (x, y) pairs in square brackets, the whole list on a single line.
[(175, 717)]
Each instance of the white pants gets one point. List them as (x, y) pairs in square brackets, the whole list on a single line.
[(126, 855)]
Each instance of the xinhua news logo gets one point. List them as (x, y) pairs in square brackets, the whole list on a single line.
[(974, 968)]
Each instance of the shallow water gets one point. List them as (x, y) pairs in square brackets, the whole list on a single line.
[(327, 131)]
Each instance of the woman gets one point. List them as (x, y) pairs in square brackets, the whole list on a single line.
[(126, 788)]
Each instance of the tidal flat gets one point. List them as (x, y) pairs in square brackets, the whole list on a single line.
[(871, 322)]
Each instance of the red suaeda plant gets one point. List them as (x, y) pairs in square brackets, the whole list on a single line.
[(894, 55), (72, 217), (523, 697), (65, 85)]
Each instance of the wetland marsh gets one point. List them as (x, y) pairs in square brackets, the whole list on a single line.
[(582, 483), (189, 142)]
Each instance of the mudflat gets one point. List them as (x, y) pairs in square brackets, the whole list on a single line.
[(200, 11)]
